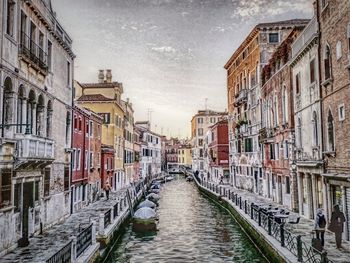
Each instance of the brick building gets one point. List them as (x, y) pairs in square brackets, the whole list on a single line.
[(334, 50), (277, 130), (218, 152), (244, 102), (107, 164)]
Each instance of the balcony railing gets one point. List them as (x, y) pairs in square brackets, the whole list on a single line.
[(242, 96), (33, 52), (310, 32), (33, 148)]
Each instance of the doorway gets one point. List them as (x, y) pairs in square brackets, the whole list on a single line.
[(28, 202)]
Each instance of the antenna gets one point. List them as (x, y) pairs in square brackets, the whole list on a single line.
[(206, 104)]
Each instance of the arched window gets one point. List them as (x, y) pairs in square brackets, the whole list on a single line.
[(20, 109), (330, 131), (7, 103), (314, 129), (49, 110), (300, 142), (275, 111), (284, 105), (40, 107), (31, 110), (327, 63)]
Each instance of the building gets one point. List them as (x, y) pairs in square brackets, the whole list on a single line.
[(200, 124), (244, 101), (35, 114), (104, 98), (185, 154), (137, 155), (277, 133), (172, 159), (334, 48), (307, 117), (129, 155), (150, 159), (218, 152), (107, 164)]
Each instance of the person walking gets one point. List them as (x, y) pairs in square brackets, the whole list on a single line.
[(337, 224), (107, 189), (320, 226)]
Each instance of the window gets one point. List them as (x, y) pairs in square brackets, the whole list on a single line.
[(273, 38), (312, 71), (36, 191), (68, 75), (338, 50), (106, 117), (66, 178), (90, 128), (272, 151), (297, 83), (23, 35), (17, 197), (6, 177), (200, 120), (49, 55), (75, 122), (200, 132), (91, 160), (200, 152), (277, 151), (314, 129), (286, 150), (200, 142), (287, 185), (47, 174), (10, 17), (68, 130), (73, 159), (324, 3), (330, 132), (327, 63), (284, 105), (341, 112), (248, 143), (80, 123), (78, 159)]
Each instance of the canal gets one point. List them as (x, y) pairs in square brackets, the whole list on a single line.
[(191, 229)]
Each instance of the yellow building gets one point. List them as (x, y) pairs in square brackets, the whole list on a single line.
[(104, 98), (185, 155)]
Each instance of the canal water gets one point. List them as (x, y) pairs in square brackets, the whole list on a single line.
[(191, 229)]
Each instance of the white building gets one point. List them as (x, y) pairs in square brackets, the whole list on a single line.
[(129, 155), (307, 109), (150, 155), (36, 103)]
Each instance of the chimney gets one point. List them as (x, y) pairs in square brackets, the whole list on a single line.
[(101, 76), (109, 76)]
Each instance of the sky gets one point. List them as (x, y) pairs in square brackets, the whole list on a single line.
[(169, 54)]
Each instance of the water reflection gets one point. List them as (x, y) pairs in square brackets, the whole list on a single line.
[(190, 229)]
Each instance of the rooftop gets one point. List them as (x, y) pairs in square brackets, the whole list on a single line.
[(94, 97)]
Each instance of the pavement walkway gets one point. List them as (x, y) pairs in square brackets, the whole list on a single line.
[(42, 247), (304, 228)]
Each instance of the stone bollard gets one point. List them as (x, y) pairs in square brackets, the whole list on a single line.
[(74, 249), (101, 224), (93, 232)]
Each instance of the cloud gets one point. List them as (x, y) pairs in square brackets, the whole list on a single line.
[(164, 49)]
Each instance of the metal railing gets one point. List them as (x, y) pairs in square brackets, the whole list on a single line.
[(33, 52), (62, 256), (107, 218), (115, 210), (304, 251), (84, 240)]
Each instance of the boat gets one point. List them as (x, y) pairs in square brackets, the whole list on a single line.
[(153, 197), (169, 178), (144, 220), (147, 203)]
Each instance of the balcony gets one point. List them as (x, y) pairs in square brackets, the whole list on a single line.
[(33, 151), (33, 54), (266, 134), (309, 34), (241, 97)]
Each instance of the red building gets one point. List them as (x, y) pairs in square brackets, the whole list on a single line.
[(218, 147), (107, 164), (86, 157)]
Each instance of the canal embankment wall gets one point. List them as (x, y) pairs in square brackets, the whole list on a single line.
[(266, 244)]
